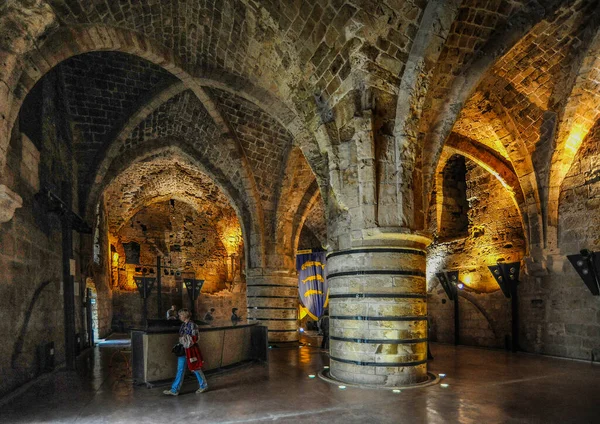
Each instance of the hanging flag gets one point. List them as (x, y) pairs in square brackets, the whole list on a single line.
[(312, 282)]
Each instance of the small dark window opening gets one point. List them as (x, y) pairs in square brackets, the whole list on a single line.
[(455, 207)]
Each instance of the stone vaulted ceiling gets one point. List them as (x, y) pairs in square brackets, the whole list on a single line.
[(245, 86), (158, 179)]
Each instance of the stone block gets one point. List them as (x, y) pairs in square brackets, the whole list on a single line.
[(346, 308), (342, 367), (400, 308), (7, 243)]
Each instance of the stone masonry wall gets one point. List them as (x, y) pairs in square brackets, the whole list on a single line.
[(160, 227), (308, 240), (494, 232), (31, 288), (201, 236), (127, 305), (559, 314), (101, 279)]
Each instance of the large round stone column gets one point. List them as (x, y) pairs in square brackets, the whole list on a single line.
[(378, 313), (273, 301)]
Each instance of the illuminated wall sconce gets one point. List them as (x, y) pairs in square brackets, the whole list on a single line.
[(450, 283), (506, 275), (145, 286), (587, 265), (193, 287)]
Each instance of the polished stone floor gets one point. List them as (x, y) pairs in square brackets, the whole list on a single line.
[(483, 386)]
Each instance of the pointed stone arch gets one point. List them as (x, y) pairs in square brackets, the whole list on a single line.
[(580, 114), (251, 230), (298, 191), (75, 40), (494, 165)]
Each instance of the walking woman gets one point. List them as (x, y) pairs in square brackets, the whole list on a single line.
[(188, 337)]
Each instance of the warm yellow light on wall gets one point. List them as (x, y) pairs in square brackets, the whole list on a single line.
[(130, 281), (232, 238), (575, 139)]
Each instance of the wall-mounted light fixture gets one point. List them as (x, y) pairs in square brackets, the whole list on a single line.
[(450, 282), (507, 277), (193, 287), (145, 286), (587, 265)]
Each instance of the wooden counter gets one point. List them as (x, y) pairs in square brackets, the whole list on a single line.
[(222, 344)]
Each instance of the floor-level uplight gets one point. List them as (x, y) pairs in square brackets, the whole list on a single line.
[(444, 385), (442, 375), (342, 387), (311, 376), (326, 367), (396, 391)]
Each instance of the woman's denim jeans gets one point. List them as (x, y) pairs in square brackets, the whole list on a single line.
[(181, 363)]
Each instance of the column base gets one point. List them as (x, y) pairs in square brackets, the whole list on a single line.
[(432, 379)]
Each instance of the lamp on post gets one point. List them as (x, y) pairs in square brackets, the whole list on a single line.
[(451, 284), (144, 286), (193, 288), (587, 265), (507, 277)]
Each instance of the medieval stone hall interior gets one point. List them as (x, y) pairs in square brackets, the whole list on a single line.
[(438, 162)]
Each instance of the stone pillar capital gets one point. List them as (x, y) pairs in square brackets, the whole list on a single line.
[(9, 202), (390, 236)]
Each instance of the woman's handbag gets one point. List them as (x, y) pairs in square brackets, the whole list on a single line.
[(178, 350), (194, 358)]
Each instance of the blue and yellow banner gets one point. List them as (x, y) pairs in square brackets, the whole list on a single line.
[(312, 282)]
